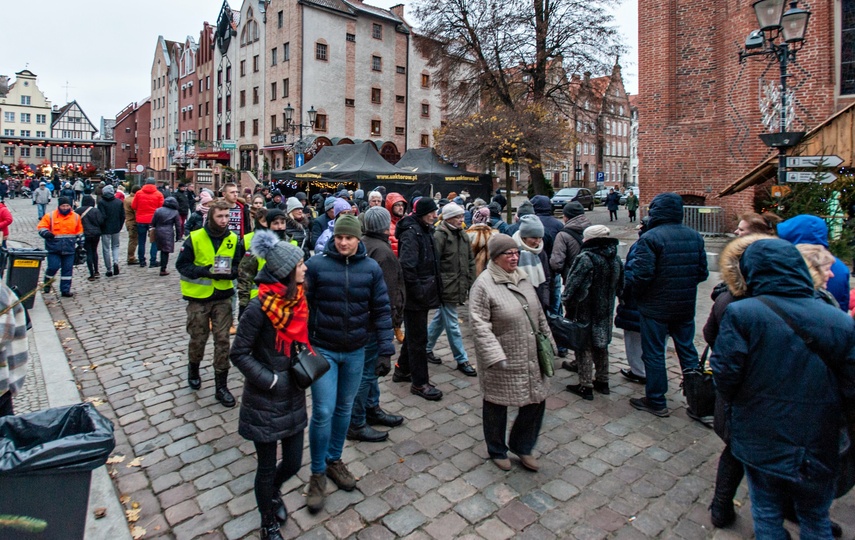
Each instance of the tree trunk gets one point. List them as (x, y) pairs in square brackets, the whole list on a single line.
[(508, 186), (535, 172)]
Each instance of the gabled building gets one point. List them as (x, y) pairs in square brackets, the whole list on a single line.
[(133, 135), (71, 123), (164, 103), (25, 113)]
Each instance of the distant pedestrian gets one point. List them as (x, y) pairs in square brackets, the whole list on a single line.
[(66, 191), (197, 219), (78, 189), (92, 223), (131, 225), (186, 202), (631, 204), (113, 211), (60, 230), (166, 223), (613, 203), (144, 205), (41, 198), (14, 350)]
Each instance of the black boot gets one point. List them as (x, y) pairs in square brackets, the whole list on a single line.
[(270, 528), (727, 479), (193, 379), (366, 433), (279, 510), (375, 416), (222, 393)]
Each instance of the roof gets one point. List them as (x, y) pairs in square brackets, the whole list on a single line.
[(373, 10), (64, 109), (355, 7)]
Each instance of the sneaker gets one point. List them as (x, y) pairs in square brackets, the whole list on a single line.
[(316, 494), (142, 263), (338, 473), (109, 274), (643, 405), (433, 359)]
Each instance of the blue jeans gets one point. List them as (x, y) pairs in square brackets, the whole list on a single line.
[(368, 395), (653, 336), (64, 264), (555, 305), (332, 401), (42, 210), (142, 236), (446, 319), (769, 497)]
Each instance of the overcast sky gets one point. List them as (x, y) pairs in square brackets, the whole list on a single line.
[(102, 49)]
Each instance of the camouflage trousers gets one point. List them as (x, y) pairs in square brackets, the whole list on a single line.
[(593, 359), (204, 318), (132, 243)]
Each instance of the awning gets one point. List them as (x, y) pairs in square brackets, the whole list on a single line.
[(277, 147), (221, 154)]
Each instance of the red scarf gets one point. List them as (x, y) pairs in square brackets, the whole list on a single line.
[(289, 317)]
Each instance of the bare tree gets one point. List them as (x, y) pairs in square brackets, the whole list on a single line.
[(514, 56)]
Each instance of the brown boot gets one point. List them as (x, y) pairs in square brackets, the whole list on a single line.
[(316, 494)]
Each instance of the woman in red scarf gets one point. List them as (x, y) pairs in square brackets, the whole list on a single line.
[(273, 407)]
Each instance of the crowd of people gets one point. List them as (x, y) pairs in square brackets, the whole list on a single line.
[(336, 283)]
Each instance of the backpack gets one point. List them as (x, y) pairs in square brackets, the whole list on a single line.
[(576, 235)]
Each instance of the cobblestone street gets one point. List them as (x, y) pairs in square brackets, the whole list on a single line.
[(607, 470)]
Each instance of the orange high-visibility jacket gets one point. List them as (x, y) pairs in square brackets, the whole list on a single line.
[(65, 230)]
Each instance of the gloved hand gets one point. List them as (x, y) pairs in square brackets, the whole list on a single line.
[(205, 271), (384, 366), (46, 234), (500, 365)]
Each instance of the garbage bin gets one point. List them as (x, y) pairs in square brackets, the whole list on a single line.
[(46, 463), (23, 272)]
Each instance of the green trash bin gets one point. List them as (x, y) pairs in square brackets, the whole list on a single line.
[(23, 269)]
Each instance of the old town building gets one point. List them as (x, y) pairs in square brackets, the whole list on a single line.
[(133, 136), (71, 123), (25, 113)]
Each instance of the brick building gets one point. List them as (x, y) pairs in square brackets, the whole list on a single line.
[(699, 117), (133, 135)]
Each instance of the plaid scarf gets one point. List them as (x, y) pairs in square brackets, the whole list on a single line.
[(289, 317)]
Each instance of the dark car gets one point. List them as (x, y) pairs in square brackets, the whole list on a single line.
[(582, 196)]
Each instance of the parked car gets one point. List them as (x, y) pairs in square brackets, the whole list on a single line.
[(581, 195), (634, 189), (600, 196)]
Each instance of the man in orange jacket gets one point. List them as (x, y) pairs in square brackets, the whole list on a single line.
[(60, 230)]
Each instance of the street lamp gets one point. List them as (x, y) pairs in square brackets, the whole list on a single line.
[(289, 119), (778, 31)]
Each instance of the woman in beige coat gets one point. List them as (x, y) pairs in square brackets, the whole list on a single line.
[(505, 346)]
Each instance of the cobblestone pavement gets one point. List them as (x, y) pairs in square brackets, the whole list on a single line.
[(607, 471), (33, 395)]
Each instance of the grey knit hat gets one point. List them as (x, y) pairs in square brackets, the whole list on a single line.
[(329, 202), (293, 204), (281, 257), (108, 190), (531, 227), (595, 231), (451, 210), (498, 244), (525, 209), (573, 209), (376, 219)]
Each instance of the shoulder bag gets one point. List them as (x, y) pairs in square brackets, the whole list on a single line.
[(307, 367), (545, 353)]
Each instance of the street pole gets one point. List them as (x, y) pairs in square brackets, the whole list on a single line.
[(783, 52)]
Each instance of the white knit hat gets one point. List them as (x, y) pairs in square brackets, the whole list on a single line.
[(595, 231)]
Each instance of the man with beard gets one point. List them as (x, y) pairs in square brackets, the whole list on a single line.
[(208, 264), (396, 204), (238, 212)]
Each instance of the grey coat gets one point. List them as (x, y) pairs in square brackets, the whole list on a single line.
[(167, 226), (502, 331)]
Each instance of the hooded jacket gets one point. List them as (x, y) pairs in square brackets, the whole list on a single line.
[(93, 219), (786, 403), (456, 263), (377, 247), (113, 211), (391, 200), (145, 202), (167, 225), (551, 226), (417, 253), (348, 302), (668, 263), (807, 229)]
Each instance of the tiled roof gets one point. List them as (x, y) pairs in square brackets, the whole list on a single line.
[(374, 10), (337, 5)]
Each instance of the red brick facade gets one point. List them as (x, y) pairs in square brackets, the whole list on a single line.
[(133, 136), (699, 116)]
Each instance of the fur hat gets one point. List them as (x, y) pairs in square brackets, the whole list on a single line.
[(500, 243), (376, 219), (451, 210), (595, 231), (292, 204), (281, 257), (424, 206), (531, 227), (573, 209), (348, 225)]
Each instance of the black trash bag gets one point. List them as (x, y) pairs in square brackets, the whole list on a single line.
[(75, 438)]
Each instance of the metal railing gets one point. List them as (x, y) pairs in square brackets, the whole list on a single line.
[(707, 220)]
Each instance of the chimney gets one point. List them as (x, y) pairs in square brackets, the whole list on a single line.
[(398, 10), (587, 76), (4, 85)]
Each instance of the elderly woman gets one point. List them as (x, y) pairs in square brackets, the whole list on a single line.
[(594, 281), (503, 306), (819, 261)]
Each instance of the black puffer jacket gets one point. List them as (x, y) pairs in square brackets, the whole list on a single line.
[(114, 213), (92, 220), (298, 234), (417, 254), (266, 414), (348, 302), (378, 248), (627, 316), (668, 263)]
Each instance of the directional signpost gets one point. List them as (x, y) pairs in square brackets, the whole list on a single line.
[(822, 178), (812, 162), (299, 160), (228, 145)]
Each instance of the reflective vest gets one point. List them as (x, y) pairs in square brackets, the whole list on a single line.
[(203, 249), (247, 240)]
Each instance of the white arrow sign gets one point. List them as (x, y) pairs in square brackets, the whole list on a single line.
[(814, 161), (822, 178)]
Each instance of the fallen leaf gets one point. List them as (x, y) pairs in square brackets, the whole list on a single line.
[(124, 499), (135, 463), (93, 366), (135, 505), (132, 515), (137, 532), (59, 325), (115, 459), (113, 473), (100, 512), (94, 401)]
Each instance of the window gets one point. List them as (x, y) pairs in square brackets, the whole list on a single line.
[(9, 151), (255, 64), (285, 88), (424, 140), (280, 19), (376, 63), (25, 151), (399, 131), (242, 129), (375, 127), (25, 100), (425, 80), (228, 130), (243, 68), (255, 126), (219, 105), (351, 38), (400, 99), (272, 122), (25, 118), (286, 52), (425, 109), (255, 95), (242, 98), (321, 122), (272, 91), (8, 132), (400, 69), (274, 55), (228, 73), (321, 51), (25, 133), (40, 152), (207, 83), (9, 117), (375, 95), (348, 102), (377, 31)]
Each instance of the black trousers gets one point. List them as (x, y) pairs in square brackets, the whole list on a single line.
[(524, 432), (90, 244), (164, 260), (413, 359), (6, 405), (269, 476)]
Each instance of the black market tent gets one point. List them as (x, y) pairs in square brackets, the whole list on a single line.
[(425, 163), (352, 163)]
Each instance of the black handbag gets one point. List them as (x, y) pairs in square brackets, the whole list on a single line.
[(699, 389), (307, 367), (569, 334)]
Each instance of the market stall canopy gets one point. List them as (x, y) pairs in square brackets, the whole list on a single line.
[(442, 177)]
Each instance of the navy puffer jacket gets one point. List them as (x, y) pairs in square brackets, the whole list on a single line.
[(626, 316), (348, 302), (786, 403), (667, 263), (266, 414)]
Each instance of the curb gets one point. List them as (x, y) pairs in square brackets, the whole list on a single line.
[(62, 390)]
